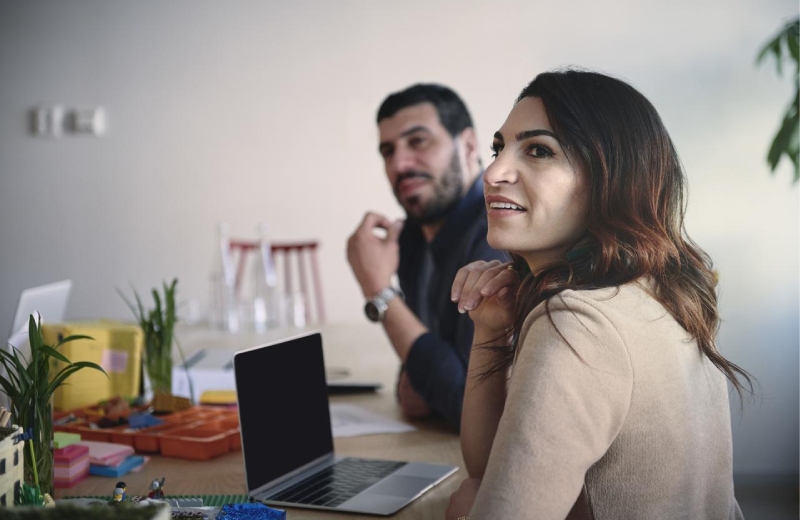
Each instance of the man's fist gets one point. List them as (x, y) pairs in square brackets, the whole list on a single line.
[(374, 259)]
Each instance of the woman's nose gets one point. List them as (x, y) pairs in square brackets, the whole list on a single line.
[(501, 170)]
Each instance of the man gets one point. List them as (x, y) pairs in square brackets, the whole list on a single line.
[(431, 158)]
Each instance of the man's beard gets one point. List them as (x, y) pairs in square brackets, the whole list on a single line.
[(446, 194)]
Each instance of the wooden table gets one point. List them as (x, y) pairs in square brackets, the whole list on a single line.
[(362, 349)]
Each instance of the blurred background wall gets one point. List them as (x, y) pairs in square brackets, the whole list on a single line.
[(248, 111)]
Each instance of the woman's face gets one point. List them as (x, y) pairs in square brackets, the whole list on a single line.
[(536, 199)]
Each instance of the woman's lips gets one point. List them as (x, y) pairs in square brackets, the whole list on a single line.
[(503, 207)]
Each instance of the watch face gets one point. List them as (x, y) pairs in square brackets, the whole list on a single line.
[(372, 312)]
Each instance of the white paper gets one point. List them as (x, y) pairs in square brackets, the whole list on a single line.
[(203, 379), (348, 420)]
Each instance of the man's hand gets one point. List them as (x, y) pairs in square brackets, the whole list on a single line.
[(414, 407), (461, 501), (373, 259)]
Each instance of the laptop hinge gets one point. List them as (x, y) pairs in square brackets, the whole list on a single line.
[(293, 477)]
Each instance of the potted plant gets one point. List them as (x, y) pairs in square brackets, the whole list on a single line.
[(30, 387), (158, 325)]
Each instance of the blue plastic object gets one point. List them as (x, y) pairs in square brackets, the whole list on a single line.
[(143, 420), (117, 471), (252, 511)]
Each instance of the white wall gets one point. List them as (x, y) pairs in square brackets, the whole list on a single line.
[(245, 111)]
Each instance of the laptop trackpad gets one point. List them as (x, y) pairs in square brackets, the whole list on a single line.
[(400, 486)]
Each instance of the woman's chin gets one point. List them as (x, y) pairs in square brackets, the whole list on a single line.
[(502, 242)]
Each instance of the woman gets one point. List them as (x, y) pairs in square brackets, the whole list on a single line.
[(595, 389)]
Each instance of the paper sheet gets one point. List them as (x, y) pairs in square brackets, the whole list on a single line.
[(202, 379), (348, 420)]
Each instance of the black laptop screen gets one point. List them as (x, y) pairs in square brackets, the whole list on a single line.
[(283, 407)]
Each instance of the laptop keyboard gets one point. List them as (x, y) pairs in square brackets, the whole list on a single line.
[(339, 483)]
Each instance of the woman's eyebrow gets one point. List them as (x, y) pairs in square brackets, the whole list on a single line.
[(499, 136), (527, 134)]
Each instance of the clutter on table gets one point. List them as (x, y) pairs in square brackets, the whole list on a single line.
[(198, 433), (70, 465), (210, 507), (157, 489), (116, 346)]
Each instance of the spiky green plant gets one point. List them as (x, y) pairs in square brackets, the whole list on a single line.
[(157, 325), (786, 141), (30, 387)]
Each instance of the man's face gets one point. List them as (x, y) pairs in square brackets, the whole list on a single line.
[(422, 163)]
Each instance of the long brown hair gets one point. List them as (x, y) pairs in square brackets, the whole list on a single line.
[(635, 227)]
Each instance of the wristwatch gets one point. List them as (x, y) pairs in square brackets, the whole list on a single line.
[(375, 308)]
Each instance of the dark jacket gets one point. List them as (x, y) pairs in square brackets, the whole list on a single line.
[(438, 360)]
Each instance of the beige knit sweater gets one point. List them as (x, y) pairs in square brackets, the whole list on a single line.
[(628, 421)]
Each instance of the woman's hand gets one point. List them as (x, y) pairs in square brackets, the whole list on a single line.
[(461, 501), (487, 290)]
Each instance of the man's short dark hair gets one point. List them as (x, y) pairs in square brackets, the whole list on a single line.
[(453, 113)]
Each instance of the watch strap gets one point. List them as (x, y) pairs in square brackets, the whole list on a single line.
[(377, 305)]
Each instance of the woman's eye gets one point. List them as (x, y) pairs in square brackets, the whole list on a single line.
[(540, 151), (495, 150)]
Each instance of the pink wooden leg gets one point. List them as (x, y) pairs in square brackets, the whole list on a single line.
[(317, 286)]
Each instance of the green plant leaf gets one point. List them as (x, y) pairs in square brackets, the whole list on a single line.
[(183, 362), (7, 359), (8, 387), (772, 47), (34, 334), (135, 310), (50, 351), (68, 371), (25, 378), (26, 396), (782, 140), (142, 314), (156, 315), (74, 337), (785, 141), (157, 326), (89, 364), (794, 45), (11, 379)]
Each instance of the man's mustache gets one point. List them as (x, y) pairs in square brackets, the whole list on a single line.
[(411, 175)]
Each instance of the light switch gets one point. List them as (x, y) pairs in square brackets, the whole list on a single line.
[(88, 121), (47, 121)]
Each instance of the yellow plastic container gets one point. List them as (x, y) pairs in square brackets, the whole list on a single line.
[(117, 347)]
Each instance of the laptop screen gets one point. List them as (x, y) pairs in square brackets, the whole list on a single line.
[(283, 407), (48, 300)]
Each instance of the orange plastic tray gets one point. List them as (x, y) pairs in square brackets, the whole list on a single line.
[(197, 443), (198, 433)]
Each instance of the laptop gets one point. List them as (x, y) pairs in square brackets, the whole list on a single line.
[(50, 301), (287, 441)]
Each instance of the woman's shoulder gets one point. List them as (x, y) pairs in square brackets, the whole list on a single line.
[(608, 304), (592, 323)]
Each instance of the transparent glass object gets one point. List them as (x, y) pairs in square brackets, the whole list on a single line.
[(225, 310), (266, 296)]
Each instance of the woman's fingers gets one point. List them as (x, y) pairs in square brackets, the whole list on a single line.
[(468, 286), (504, 278), (488, 283), (463, 274)]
